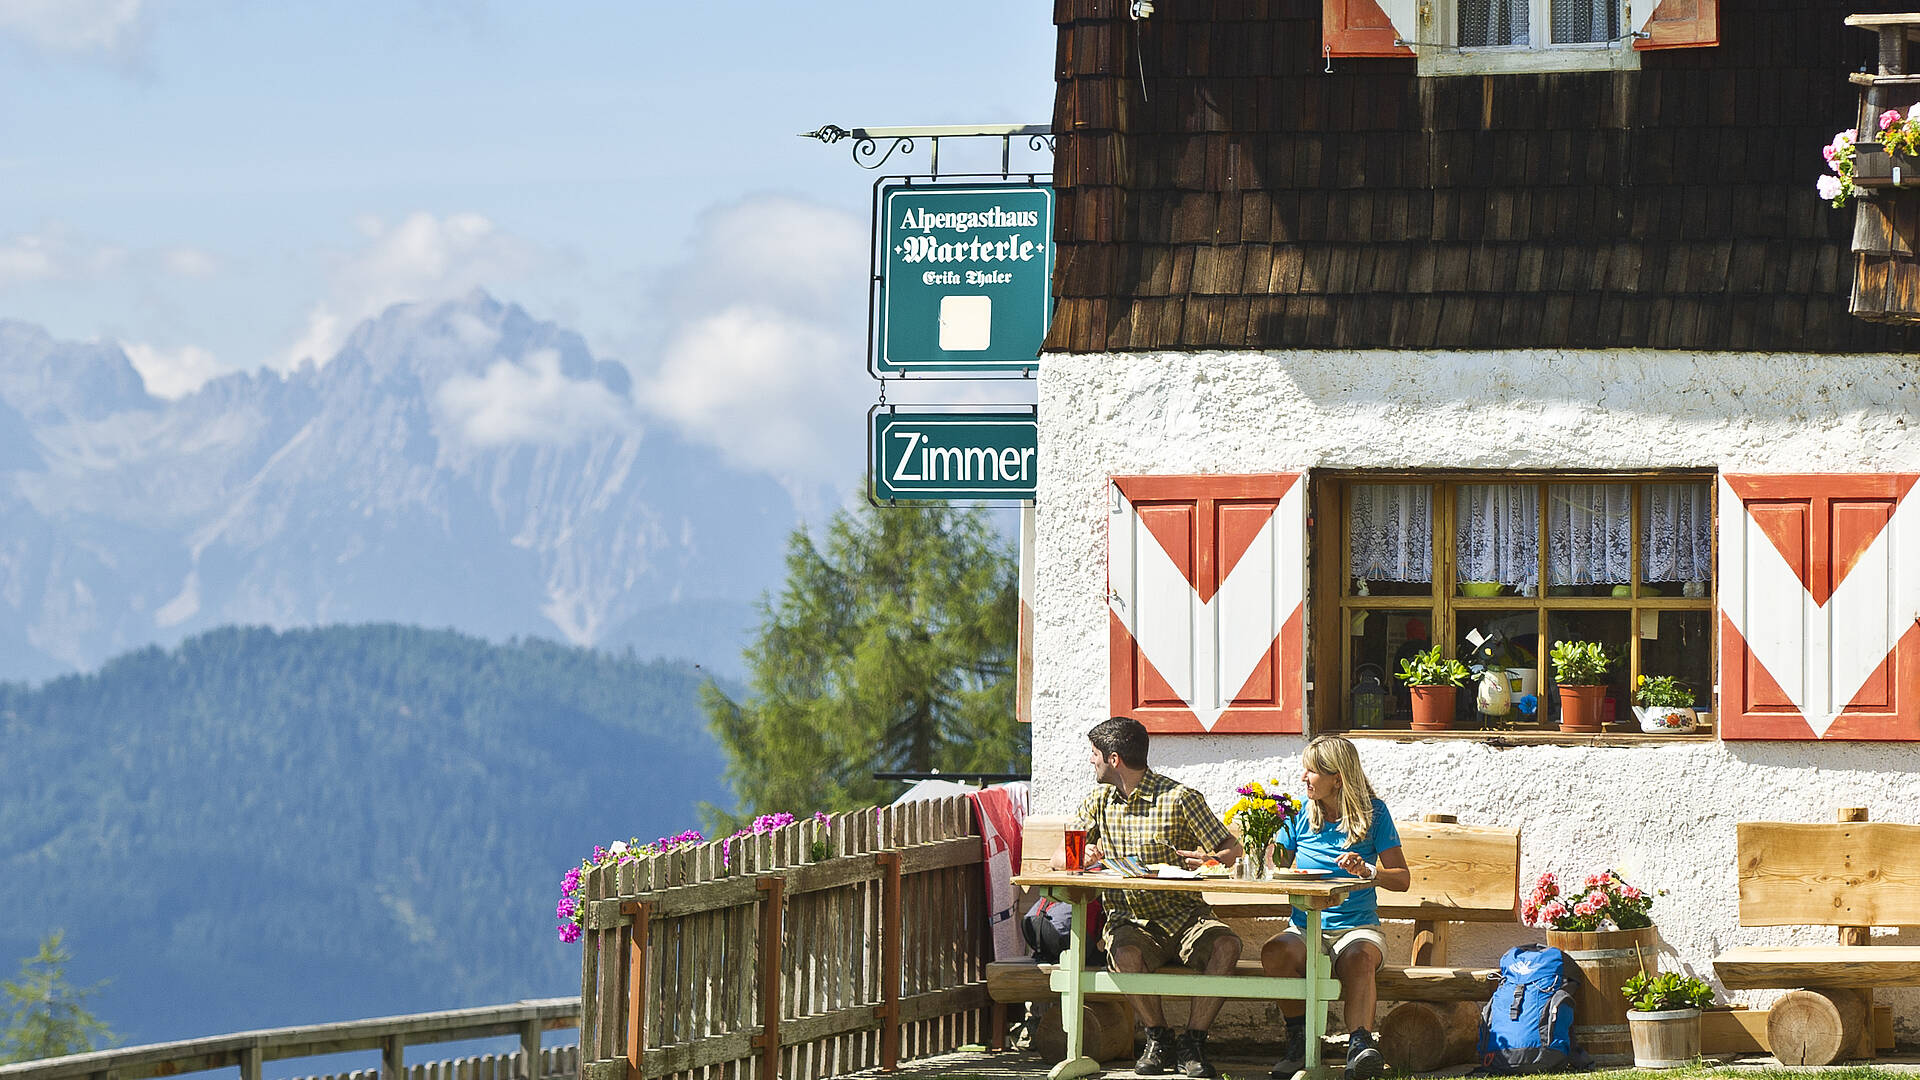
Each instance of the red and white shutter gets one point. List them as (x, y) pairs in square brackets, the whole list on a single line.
[(1358, 28), (1819, 607), (1206, 577)]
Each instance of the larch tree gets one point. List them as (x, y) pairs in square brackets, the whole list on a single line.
[(46, 1015), (891, 648)]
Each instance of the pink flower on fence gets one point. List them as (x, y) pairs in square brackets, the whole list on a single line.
[(1889, 118)]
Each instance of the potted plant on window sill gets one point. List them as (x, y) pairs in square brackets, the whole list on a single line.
[(1664, 706), (1580, 667), (1432, 680), (1663, 1018)]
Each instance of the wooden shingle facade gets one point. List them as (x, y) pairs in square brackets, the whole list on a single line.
[(1219, 188)]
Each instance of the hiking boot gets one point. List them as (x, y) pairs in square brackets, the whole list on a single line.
[(1364, 1061), (1191, 1051), (1158, 1052), (1293, 1056)]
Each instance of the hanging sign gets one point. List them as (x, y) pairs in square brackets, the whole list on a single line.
[(952, 456), (968, 275)]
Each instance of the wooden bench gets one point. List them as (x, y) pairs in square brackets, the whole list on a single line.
[(1852, 874), (1461, 873)]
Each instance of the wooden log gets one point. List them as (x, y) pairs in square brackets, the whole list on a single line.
[(1819, 1027), (1740, 1030), (1106, 1027), (1421, 1036)]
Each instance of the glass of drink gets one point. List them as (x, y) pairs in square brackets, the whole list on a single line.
[(1076, 845)]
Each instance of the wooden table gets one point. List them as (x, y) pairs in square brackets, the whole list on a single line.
[(1074, 980)]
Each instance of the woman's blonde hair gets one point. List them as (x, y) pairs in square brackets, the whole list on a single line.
[(1331, 754)]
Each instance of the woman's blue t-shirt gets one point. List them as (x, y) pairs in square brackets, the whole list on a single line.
[(1319, 850)]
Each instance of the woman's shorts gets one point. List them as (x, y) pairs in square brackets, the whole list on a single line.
[(1338, 941)]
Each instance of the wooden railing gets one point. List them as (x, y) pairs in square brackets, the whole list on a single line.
[(390, 1035), (786, 965)]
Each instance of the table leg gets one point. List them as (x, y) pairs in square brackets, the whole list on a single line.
[(1073, 1000), (1319, 972)]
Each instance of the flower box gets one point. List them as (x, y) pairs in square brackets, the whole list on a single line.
[(1874, 167)]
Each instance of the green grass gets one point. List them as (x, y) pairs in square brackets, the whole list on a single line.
[(1849, 1072)]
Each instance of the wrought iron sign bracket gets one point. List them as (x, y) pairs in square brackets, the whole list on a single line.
[(867, 141)]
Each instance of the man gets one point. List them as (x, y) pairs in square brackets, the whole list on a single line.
[(1136, 812)]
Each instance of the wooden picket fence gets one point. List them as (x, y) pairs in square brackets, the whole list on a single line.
[(784, 965)]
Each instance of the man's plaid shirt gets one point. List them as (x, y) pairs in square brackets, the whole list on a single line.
[(1148, 825)]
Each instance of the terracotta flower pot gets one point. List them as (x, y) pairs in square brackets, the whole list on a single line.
[(1432, 707), (1580, 708)]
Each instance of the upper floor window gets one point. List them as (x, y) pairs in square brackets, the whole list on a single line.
[(1536, 23), (1470, 37), (1525, 35)]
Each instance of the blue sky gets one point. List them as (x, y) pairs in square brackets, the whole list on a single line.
[(221, 185)]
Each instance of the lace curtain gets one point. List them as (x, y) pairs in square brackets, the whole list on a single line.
[(1590, 530), (1497, 533), (1676, 532), (1493, 22), (1390, 529), (1585, 20)]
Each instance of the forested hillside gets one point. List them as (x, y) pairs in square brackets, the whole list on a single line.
[(260, 828)]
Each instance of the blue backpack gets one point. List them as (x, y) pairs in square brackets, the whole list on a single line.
[(1528, 1024)]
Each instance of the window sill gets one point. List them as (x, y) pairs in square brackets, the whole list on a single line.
[(1610, 56), (1622, 737)]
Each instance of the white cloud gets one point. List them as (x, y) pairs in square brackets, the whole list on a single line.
[(74, 27), (55, 254), (764, 359), (188, 262), (172, 373), (531, 401), (422, 258)]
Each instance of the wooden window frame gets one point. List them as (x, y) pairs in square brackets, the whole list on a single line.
[(1331, 603), (1446, 56)]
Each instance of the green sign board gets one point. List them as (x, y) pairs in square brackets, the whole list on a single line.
[(940, 457), (968, 274)]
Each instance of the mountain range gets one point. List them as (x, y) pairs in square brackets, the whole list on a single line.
[(457, 464), (262, 828)]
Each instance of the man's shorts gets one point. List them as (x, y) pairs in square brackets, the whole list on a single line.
[(1337, 941), (1191, 944)]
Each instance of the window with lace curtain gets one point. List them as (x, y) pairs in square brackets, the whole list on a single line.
[(1497, 568), (1542, 35)]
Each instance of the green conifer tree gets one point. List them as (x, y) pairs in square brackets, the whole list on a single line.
[(47, 1016), (890, 649)]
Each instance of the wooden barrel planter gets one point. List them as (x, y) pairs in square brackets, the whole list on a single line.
[(1667, 1039), (1605, 960), (1427, 1036)]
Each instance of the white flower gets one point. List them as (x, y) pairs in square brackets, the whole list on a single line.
[(1829, 187), (619, 848)]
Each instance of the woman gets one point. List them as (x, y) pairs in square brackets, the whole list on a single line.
[(1343, 829)]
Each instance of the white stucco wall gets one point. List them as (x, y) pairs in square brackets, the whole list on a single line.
[(1666, 813)]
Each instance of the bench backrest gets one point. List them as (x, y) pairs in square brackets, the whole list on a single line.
[(1464, 873), (1840, 874)]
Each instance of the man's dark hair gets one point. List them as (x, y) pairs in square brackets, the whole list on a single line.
[(1121, 735)]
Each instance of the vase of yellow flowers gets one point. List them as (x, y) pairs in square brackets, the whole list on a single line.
[(1258, 815)]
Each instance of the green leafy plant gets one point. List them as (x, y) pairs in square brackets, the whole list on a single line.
[(1580, 663), (1665, 991), (1662, 692), (1429, 668)]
